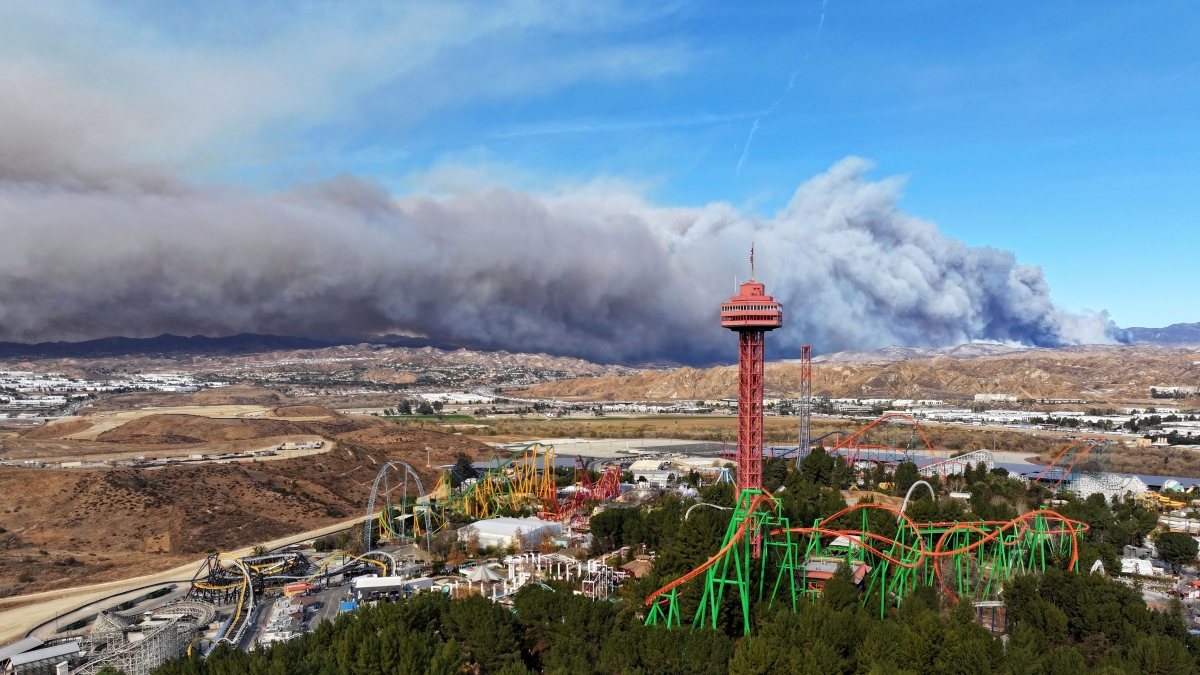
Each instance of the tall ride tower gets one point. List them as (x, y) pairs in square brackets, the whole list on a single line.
[(751, 313)]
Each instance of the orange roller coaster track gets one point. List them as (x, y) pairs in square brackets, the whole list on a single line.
[(969, 560), (852, 442), (1081, 449)]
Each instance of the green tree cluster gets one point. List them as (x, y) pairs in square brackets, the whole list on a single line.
[(551, 631)]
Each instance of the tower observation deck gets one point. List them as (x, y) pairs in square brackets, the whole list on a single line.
[(751, 313)]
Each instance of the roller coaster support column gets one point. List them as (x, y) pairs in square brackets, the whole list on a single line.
[(732, 568)]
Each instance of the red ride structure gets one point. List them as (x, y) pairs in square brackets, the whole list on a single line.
[(751, 313)]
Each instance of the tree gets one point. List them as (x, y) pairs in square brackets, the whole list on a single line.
[(546, 544), (774, 472), (355, 546), (1176, 549), (424, 408), (906, 475), (840, 591), (817, 467), (516, 543), (405, 407), (109, 670), (472, 533)]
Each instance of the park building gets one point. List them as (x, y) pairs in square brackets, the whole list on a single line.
[(654, 472), (503, 532)]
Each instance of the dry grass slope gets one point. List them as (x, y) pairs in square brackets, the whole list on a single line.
[(67, 527)]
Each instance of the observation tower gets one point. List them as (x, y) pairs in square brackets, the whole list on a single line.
[(751, 313)]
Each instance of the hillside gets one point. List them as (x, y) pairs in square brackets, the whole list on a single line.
[(1176, 333), (1098, 373), (66, 527)]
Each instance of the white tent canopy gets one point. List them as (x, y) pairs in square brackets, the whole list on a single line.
[(483, 573)]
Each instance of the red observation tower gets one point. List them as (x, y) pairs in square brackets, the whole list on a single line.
[(751, 313)]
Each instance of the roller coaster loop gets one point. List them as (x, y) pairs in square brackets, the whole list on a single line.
[(966, 559), (387, 513)]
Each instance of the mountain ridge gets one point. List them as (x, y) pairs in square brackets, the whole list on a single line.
[(242, 343)]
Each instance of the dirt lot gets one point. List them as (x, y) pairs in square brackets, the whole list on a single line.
[(176, 431), (65, 527), (780, 430)]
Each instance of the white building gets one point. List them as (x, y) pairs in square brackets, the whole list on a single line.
[(364, 587), (1136, 566), (653, 471), (995, 398), (500, 532)]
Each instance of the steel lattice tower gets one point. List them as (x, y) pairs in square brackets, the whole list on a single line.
[(751, 313), (805, 403)]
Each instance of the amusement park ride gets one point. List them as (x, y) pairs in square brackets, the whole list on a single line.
[(764, 557), (524, 482)]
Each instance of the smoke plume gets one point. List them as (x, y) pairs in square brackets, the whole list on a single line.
[(599, 273)]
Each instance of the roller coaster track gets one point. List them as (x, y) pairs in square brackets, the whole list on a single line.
[(852, 442), (516, 483), (107, 644), (526, 480), (217, 568), (346, 560), (224, 578), (966, 559), (1082, 448), (381, 477)]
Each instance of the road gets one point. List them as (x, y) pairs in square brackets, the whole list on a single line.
[(26, 611)]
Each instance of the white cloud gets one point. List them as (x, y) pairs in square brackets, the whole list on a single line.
[(93, 94)]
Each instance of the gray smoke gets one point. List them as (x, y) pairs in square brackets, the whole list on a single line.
[(598, 273)]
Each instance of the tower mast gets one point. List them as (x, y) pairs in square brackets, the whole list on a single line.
[(751, 313)]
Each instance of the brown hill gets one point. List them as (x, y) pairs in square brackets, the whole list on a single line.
[(67, 527), (1095, 373), (304, 411), (48, 431), (238, 394), (173, 429)]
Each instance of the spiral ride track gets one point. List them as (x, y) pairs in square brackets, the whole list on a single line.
[(222, 579), (890, 556)]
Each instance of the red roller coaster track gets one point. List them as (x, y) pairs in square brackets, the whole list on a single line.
[(1092, 442)]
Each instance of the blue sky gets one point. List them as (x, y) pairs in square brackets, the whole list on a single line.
[(1066, 132)]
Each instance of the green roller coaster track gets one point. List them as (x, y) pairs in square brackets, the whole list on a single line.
[(968, 560)]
